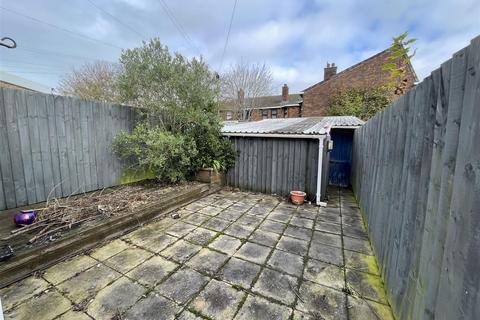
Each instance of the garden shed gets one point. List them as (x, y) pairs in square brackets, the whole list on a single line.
[(276, 156)]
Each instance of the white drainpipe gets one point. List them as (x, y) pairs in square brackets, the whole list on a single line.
[(319, 172)]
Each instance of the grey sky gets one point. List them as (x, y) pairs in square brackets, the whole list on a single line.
[(296, 38)]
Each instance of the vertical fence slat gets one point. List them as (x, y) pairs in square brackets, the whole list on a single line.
[(415, 175)]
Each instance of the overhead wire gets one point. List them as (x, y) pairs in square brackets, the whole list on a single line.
[(59, 28), (178, 26), (228, 36), (119, 21)]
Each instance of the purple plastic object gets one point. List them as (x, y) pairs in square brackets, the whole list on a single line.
[(25, 217)]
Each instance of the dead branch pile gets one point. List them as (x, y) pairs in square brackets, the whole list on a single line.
[(60, 215)]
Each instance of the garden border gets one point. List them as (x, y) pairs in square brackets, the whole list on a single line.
[(35, 259)]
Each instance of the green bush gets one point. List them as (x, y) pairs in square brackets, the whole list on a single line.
[(168, 155), (179, 128), (362, 103)]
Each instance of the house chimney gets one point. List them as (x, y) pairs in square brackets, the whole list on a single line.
[(285, 92), (241, 96), (329, 71)]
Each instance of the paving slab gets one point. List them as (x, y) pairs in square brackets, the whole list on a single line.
[(207, 261), (239, 272), (259, 308), (360, 309), (238, 230), (358, 245), (218, 300), (325, 274), (230, 214), (86, 284), (293, 245), (181, 251), (74, 315), (23, 290), (210, 211), (164, 270), (152, 271), (299, 233), (153, 307), (330, 239), (182, 285), (159, 242), (276, 285), (272, 226), (226, 244), (196, 218), (188, 315), (201, 236), (326, 253), (357, 231), (265, 238), (322, 302), (302, 222), (366, 285), (110, 249), (250, 220), (286, 262), (180, 229), (128, 259), (328, 227), (45, 306), (361, 262), (253, 252), (280, 216), (67, 269), (216, 224), (141, 235), (115, 299)]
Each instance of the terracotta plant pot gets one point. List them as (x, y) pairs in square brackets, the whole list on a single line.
[(298, 197)]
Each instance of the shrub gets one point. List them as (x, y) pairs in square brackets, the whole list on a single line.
[(168, 155), (362, 103), (179, 127)]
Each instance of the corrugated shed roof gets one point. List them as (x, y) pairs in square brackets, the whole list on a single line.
[(313, 126)]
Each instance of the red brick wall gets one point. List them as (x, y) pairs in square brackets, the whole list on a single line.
[(368, 74)]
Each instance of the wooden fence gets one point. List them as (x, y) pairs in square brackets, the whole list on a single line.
[(416, 174), (54, 146), (277, 165)]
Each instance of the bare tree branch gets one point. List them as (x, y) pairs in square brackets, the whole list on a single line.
[(97, 81), (254, 79)]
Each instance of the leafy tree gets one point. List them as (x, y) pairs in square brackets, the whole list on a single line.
[(97, 81), (359, 102), (400, 57), (179, 129)]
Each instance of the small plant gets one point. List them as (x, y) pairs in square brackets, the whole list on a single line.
[(400, 57)]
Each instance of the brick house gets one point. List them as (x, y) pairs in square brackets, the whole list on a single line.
[(285, 105), (368, 73), (315, 100)]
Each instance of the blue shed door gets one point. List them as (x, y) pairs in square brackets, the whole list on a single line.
[(340, 157)]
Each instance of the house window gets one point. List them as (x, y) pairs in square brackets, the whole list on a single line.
[(274, 114), (264, 114), (229, 115)]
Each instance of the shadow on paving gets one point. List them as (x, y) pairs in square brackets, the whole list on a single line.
[(231, 255)]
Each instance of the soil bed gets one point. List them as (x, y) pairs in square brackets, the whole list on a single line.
[(60, 217)]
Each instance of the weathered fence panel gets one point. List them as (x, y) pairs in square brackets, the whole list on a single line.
[(277, 165), (416, 175), (55, 146)]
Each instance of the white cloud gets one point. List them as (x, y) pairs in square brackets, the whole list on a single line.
[(295, 37)]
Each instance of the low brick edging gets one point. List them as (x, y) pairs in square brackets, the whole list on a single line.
[(26, 263)]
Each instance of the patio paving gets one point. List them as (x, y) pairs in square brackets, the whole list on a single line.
[(231, 255)]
